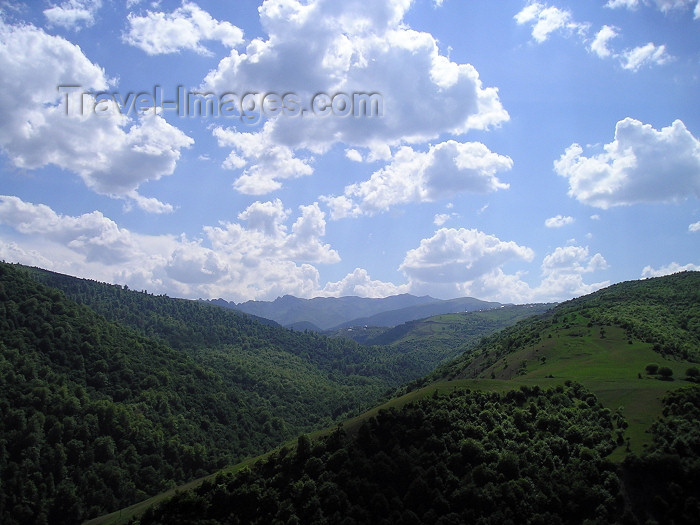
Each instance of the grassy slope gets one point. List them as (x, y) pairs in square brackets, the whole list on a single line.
[(609, 366)]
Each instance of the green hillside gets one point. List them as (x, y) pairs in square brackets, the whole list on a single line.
[(605, 341), (110, 395), (98, 414), (558, 419), (418, 347), (398, 316), (662, 313), (528, 455), (246, 352)]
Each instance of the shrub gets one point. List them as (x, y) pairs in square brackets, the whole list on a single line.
[(665, 372), (652, 368)]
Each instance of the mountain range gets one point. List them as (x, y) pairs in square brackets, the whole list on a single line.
[(333, 313)]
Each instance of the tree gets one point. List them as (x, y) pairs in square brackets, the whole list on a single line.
[(692, 374), (652, 368)]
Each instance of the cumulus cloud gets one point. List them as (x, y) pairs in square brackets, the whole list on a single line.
[(669, 269), (558, 221), (456, 262), (92, 235), (269, 161), (348, 48), (160, 33), (695, 227), (629, 4), (441, 218), (632, 59), (73, 14), (360, 283), (266, 254), (43, 125), (547, 20), (353, 155), (663, 5), (444, 170), (640, 165), (647, 55), (600, 43), (563, 274), (460, 262)]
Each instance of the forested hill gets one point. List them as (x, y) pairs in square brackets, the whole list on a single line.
[(98, 413), (109, 395), (662, 313), (528, 455)]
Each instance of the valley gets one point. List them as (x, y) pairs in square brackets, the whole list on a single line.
[(168, 401)]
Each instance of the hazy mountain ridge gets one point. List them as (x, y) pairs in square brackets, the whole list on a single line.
[(396, 317), (332, 313)]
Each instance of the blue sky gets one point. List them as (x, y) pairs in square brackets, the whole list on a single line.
[(522, 151)]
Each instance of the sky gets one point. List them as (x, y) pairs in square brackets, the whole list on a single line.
[(515, 151)]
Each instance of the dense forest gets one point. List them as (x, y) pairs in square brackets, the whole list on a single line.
[(110, 395), (96, 415), (526, 456), (263, 357)]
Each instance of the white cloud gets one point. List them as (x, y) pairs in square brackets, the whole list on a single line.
[(629, 4), (470, 263), (457, 260), (663, 5), (648, 54), (444, 170), (354, 47), (149, 204), (640, 165), (161, 33), (269, 160), (600, 44), (695, 227), (360, 284), (570, 258), (42, 125), (441, 218), (353, 155), (562, 273), (547, 20), (260, 257), (558, 221), (669, 269), (91, 235), (72, 14)]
